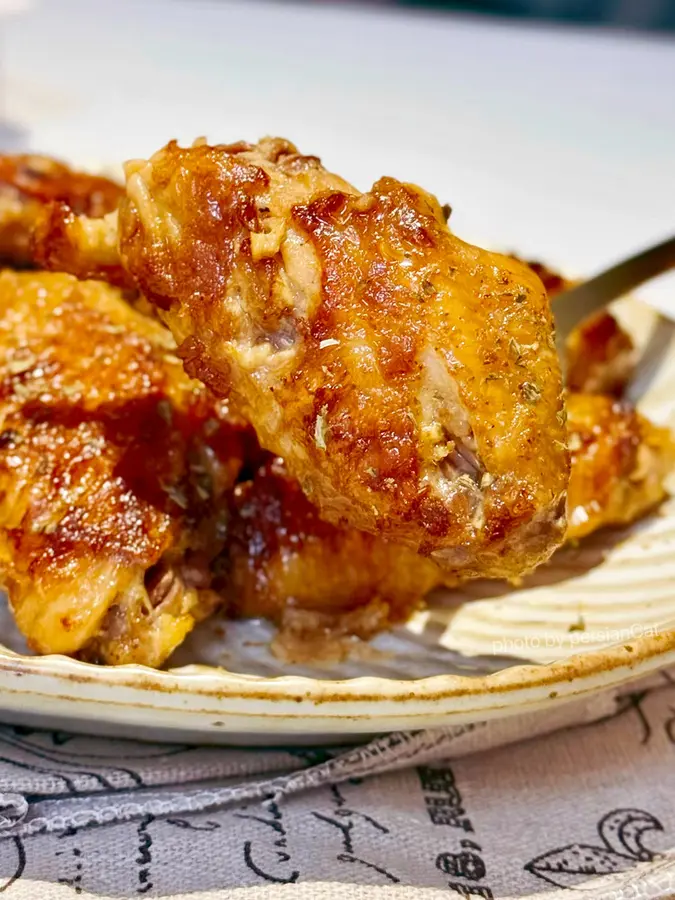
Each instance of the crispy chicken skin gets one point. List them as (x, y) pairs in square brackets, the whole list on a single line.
[(314, 579), (619, 463), (408, 379), (601, 356), (113, 470), (320, 583), (28, 183)]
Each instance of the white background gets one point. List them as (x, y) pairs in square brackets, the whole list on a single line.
[(559, 144)]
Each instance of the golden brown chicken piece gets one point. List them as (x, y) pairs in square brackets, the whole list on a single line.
[(553, 281), (601, 356), (319, 582), (113, 469), (28, 183), (322, 584), (409, 380), (619, 463)]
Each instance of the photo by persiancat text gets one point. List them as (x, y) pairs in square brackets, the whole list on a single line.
[(578, 635)]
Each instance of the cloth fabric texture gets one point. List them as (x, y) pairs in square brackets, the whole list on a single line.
[(577, 797)]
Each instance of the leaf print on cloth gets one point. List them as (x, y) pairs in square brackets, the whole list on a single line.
[(621, 848)]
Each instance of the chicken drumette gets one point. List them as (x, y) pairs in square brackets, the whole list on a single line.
[(620, 461), (323, 585), (28, 183), (408, 379), (114, 471), (601, 355)]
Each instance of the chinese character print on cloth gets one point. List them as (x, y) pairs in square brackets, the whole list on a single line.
[(577, 797)]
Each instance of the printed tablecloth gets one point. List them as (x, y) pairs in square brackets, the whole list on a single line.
[(577, 797)]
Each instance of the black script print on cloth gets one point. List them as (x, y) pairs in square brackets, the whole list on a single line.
[(187, 825), (70, 859), (629, 704), (144, 858), (620, 847), (79, 764), (347, 823), (268, 856), (445, 807)]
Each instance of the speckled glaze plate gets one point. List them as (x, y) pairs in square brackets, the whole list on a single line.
[(597, 615), (510, 134)]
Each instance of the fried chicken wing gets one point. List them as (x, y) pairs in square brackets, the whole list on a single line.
[(319, 582), (408, 379), (322, 584), (619, 463), (113, 470), (28, 183), (601, 355)]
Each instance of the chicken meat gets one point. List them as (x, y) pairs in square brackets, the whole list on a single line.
[(600, 354), (28, 183), (321, 584), (408, 379), (324, 585), (620, 461), (114, 468)]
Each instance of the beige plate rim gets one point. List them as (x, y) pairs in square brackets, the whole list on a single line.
[(361, 700)]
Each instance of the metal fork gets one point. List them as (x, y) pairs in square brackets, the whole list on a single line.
[(572, 306)]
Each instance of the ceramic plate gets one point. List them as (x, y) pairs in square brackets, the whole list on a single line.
[(502, 122), (595, 616)]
